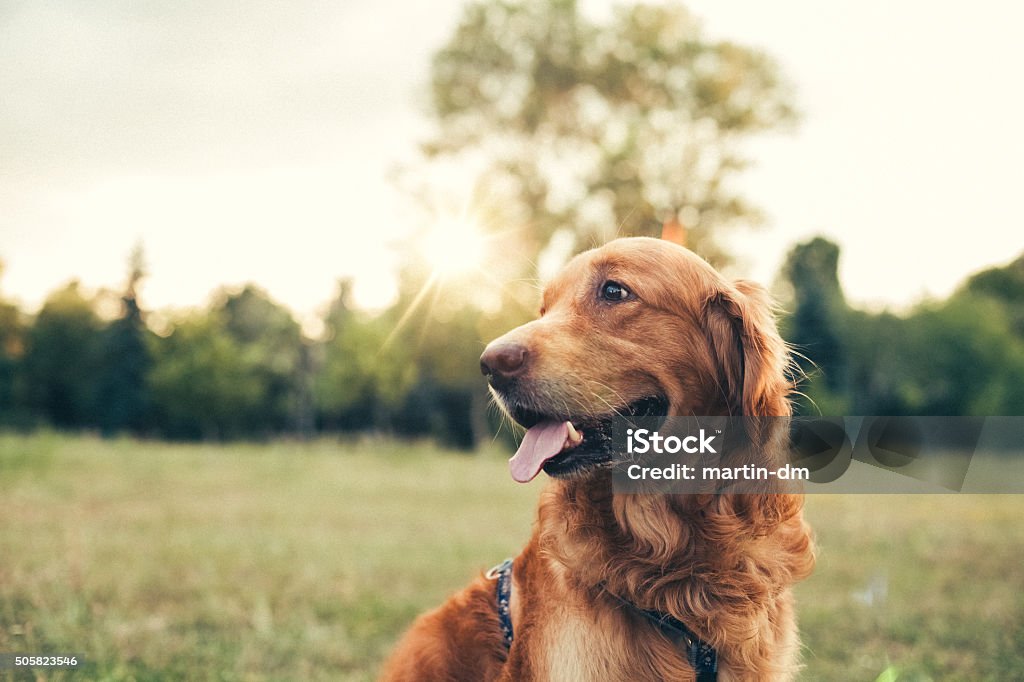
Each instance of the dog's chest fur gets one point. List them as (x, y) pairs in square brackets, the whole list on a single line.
[(578, 643), (575, 650)]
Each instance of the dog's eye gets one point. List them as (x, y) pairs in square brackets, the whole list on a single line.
[(613, 291)]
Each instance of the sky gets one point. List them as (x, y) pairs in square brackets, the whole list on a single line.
[(258, 142)]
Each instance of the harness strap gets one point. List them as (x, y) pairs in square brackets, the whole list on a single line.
[(503, 593), (700, 655)]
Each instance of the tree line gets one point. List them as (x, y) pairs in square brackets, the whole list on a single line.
[(963, 355), (242, 367)]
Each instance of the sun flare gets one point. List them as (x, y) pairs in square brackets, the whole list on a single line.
[(454, 246)]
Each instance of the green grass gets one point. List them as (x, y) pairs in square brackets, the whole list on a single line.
[(306, 561)]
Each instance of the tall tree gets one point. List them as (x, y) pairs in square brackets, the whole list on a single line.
[(60, 359), (817, 324), (124, 360), (601, 127)]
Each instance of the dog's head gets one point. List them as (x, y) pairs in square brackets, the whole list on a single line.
[(638, 327)]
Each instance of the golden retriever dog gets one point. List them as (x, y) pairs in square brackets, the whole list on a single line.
[(631, 586)]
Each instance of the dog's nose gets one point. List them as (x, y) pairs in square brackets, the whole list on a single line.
[(502, 362)]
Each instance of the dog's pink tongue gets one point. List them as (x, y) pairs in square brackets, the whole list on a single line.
[(541, 442)]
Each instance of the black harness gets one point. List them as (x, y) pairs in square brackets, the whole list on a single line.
[(701, 655), (503, 573)]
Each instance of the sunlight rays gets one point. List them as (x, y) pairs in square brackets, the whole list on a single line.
[(455, 246)]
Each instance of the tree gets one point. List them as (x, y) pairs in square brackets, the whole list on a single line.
[(236, 370), (273, 345), (124, 361), (362, 373), (596, 128), (60, 359), (203, 385), (947, 358), (1004, 285), (961, 358), (817, 324), (571, 131)]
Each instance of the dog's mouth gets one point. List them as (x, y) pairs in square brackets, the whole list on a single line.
[(565, 446)]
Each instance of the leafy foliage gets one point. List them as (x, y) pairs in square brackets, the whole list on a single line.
[(594, 127), (230, 372), (961, 356), (361, 377), (1005, 285), (203, 384), (60, 363)]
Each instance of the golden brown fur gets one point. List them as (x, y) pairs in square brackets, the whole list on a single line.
[(722, 564)]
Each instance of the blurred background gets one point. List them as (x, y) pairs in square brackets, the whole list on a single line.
[(251, 231), (298, 220)]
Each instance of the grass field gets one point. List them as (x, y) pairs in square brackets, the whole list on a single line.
[(306, 561)]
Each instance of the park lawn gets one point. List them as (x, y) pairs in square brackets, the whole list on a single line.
[(306, 561)]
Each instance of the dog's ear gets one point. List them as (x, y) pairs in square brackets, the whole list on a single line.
[(751, 356), (753, 361)]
